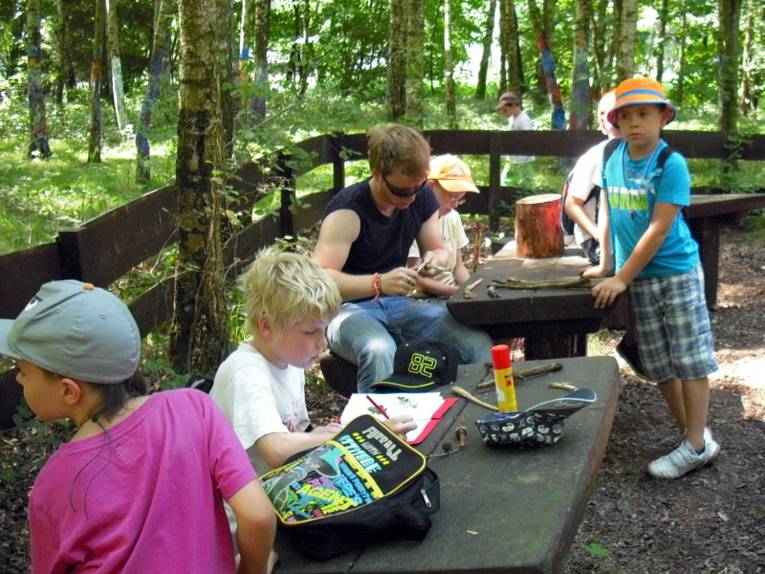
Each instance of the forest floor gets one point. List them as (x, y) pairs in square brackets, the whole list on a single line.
[(711, 521)]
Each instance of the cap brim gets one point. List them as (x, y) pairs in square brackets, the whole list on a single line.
[(458, 185), (5, 330), (404, 383), (613, 118)]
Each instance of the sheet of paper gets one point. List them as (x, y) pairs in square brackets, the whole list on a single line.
[(424, 408)]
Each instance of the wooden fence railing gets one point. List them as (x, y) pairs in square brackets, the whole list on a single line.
[(107, 247)]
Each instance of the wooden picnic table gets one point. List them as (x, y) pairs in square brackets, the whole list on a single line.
[(502, 510), (553, 321), (705, 215)]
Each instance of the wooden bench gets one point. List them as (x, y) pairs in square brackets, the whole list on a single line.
[(502, 509)]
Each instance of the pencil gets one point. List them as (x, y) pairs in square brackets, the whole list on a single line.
[(378, 407)]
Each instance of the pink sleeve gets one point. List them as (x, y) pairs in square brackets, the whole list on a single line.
[(231, 466)]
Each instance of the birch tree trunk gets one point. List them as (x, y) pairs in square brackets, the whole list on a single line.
[(198, 333), (615, 32), (397, 61), (480, 89), (451, 98), (730, 15), (96, 77), (160, 53), (415, 62), (625, 67), (38, 140), (580, 117), (260, 98), (113, 43)]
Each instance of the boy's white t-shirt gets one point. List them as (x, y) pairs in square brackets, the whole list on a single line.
[(453, 234), (259, 398), (586, 175)]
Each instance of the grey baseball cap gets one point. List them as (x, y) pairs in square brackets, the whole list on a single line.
[(76, 330)]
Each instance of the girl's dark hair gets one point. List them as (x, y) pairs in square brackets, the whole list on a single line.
[(115, 396)]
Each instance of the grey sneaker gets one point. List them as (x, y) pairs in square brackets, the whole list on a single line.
[(684, 459)]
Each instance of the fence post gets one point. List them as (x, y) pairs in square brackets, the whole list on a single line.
[(287, 175), (494, 179), (337, 141), (68, 242)]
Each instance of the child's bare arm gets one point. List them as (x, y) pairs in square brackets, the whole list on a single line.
[(275, 448), (605, 267), (256, 527), (649, 243)]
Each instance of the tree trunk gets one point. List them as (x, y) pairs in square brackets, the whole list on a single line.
[(504, 44), (480, 89), (38, 141), (625, 67), (730, 14), (397, 61), (113, 42), (663, 17), (415, 62), (749, 80), (600, 77), (680, 85), (198, 334), (451, 97), (96, 77), (293, 65), (511, 72), (258, 103), (243, 61), (306, 51), (580, 117), (548, 67), (160, 53), (64, 69), (614, 32)]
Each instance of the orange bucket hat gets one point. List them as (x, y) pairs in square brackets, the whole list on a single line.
[(452, 174), (639, 91)]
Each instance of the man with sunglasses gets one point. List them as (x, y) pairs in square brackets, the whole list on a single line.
[(363, 243)]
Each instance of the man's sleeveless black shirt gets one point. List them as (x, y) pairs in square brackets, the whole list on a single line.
[(383, 242)]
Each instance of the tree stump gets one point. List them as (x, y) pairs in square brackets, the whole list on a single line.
[(537, 226)]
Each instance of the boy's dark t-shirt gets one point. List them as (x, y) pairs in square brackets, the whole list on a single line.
[(383, 242)]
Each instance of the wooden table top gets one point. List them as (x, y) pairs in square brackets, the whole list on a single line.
[(527, 306), (502, 509)]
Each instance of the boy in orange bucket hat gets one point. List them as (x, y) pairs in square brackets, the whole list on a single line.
[(659, 261)]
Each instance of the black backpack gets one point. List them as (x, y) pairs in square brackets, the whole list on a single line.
[(366, 482), (566, 223)]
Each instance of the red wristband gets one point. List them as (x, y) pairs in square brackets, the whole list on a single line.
[(377, 285)]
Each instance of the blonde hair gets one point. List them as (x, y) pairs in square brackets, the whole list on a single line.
[(289, 288), (398, 149)]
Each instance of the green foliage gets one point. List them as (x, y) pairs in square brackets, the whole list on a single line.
[(42, 196), (597, 550)]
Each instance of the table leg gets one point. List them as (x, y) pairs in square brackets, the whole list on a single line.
[(555, 346), (706, 232)]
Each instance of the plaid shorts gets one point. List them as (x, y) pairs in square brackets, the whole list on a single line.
[(672, 323)]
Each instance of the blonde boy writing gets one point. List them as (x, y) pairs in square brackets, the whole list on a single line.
[(260, 387)]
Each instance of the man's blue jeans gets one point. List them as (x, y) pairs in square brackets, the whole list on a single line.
[(367, 334)]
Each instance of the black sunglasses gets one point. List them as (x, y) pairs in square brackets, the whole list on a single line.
[(404, 191)]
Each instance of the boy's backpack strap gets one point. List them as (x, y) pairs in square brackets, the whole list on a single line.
[(663, 157), (609, 149)]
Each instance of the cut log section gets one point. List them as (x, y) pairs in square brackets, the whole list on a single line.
[(537, 226)]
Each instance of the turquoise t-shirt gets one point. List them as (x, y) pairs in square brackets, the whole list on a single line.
[(633, 188)]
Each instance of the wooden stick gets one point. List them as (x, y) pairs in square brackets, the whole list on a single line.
[(563, 386), (459, 391), (468, 293), (477, 241), (522, 375), (516, 283)]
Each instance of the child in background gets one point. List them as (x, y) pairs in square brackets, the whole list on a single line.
[(586, 176), (659, 260), (139, 486), (450, 179), (260, 387)]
